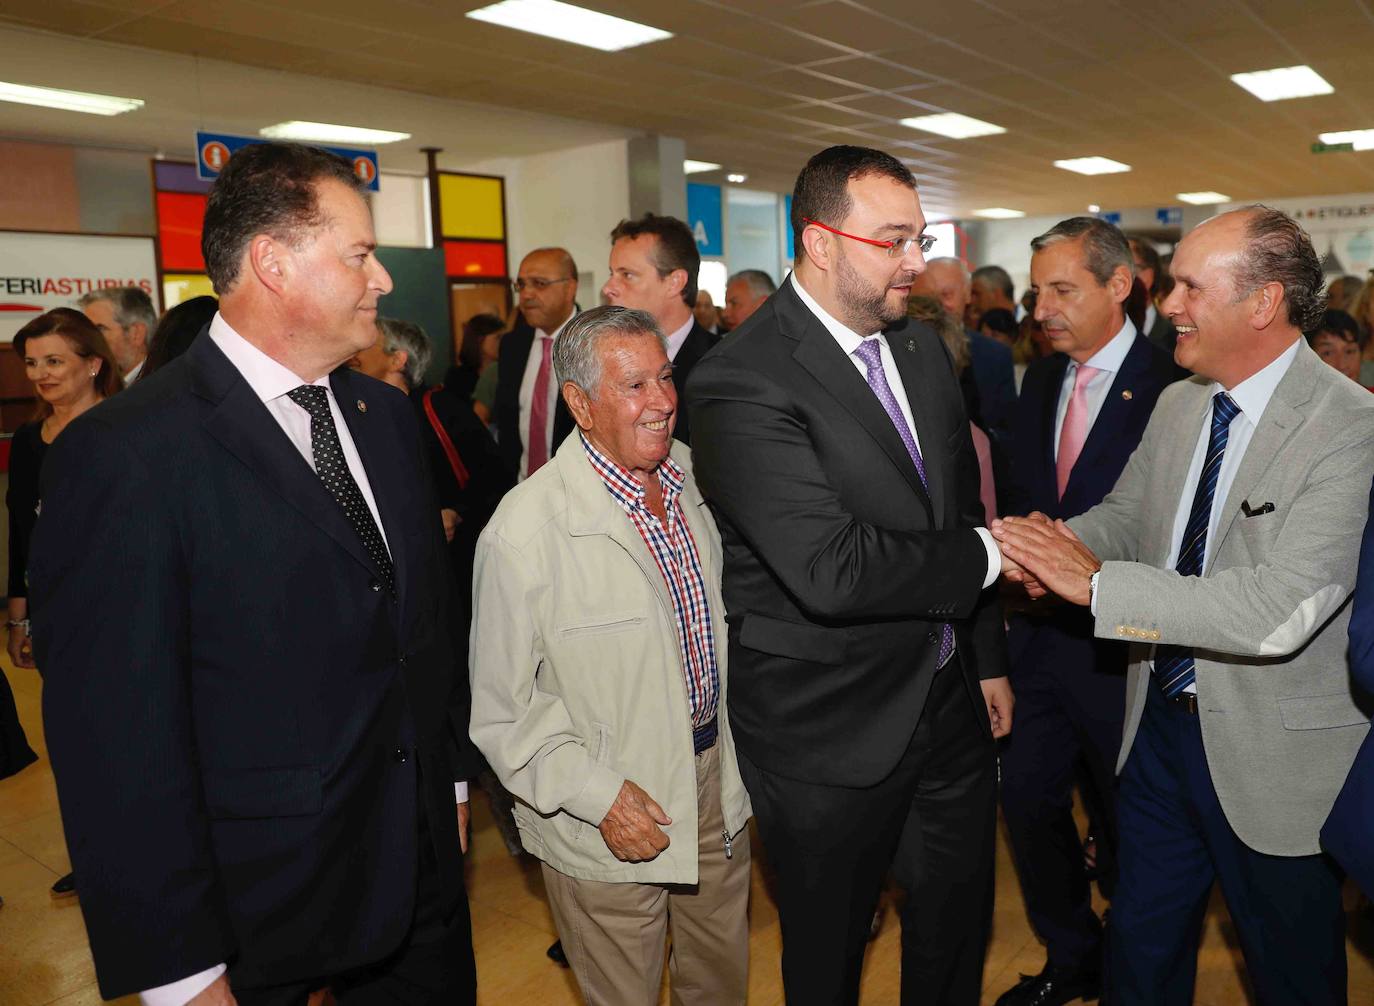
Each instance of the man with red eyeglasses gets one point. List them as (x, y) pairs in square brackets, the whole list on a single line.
[(866, 647)]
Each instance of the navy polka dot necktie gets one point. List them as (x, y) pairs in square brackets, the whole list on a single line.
[(333, 471)]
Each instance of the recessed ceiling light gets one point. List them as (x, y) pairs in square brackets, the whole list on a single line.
[(953, 125), (998, 213), (1092, 165), (1203, 198), (67, 101), (1360, 139), (1094, 208), (737, 178), (1283, 83), (696, 167), (567, 23), (328, 132)]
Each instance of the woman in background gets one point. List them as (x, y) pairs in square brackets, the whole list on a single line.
[(72, 369), (177, 330)]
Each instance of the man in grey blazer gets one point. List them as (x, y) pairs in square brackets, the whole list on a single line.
[(1227, 553)]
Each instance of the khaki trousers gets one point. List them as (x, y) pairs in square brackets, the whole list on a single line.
[(614, 934)]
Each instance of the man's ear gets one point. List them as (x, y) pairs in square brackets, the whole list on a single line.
[(579, 404), (139, 331), (816, 244), (1269, 300), (267, 258), (396, 362)]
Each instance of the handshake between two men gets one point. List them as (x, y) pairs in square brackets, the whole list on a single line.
[(1045, 557)]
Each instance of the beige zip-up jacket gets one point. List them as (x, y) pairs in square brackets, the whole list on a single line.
[(577, 678)]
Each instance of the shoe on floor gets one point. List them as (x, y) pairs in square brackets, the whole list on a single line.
[(64, 888), (1052, 987), (555, 954)]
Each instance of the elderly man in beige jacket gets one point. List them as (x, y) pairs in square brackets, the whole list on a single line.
[(598, 683)]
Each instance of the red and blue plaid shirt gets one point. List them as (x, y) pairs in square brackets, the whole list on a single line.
[(675, 552)]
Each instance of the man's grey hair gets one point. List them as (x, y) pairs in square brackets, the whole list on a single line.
[(759, 282), (406, 335), (130, 304), (997, 278), (950, 260), (577, 350), (1104, 246), (1278, 250)]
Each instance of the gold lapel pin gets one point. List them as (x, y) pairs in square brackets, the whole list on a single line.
[(362, 406), (1125, 394), (911, 345)]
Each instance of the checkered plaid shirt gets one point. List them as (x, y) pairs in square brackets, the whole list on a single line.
[(675, 552)]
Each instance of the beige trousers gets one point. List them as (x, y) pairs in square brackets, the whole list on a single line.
[(614, 934)]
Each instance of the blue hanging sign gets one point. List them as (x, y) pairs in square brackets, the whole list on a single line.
[(213, 151)]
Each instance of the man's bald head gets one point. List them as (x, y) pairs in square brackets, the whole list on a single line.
[(547, 288), (947, 281)]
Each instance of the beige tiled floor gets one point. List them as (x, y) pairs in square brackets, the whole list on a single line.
[(44, 958)]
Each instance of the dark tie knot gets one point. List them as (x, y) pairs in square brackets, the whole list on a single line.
[(870, 352), (1224, 409), (310, 397)]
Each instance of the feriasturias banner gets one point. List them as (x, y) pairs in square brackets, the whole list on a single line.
[(41, 271)]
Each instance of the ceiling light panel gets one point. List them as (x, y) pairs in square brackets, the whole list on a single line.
[(998, 213), (67, 101), (697, 167), (1360, 139), (567, 23), (1283, 83), (1203, 198), (953, 125), (1093, 165), (328, 132)]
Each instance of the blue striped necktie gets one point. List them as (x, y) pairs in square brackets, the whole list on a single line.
[(1174, 664)]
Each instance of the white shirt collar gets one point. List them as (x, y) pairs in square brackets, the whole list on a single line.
[(676, 339), (848, 339), (1111, 356), (1253, 393), (540, 333), (268, 378), (1151, 316)]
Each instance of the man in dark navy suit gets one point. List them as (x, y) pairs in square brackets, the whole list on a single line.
[(241, 608), (1081, 413)]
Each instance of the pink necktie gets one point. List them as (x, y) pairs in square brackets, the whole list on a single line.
[(538, 442), (1075, 429)]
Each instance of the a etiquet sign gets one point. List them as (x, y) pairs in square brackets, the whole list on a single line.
[(39, 272)]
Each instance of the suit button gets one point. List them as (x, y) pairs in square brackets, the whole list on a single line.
[(932, 638), (399, 756), (375, 586)]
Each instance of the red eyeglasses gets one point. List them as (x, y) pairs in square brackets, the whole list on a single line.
[(895, 249)]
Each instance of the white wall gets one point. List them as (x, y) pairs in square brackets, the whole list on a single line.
[(567, 198), (400, 211)]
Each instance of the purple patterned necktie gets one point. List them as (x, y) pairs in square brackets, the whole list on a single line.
[(870, 354)]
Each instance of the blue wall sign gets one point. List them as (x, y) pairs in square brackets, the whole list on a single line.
[(705, 218)]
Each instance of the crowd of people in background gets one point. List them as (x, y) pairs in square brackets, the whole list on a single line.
[(699, 563)]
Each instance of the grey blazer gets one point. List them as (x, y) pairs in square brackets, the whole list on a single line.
[(1268, 617)]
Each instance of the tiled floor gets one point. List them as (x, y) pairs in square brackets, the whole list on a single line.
[(44, 959)]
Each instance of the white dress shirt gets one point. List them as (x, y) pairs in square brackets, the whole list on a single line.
[(271, 381), (1108, 361), (849, 341), (134, 371), (1151, 316), (676, 339), (1252, 397), (532, 362)]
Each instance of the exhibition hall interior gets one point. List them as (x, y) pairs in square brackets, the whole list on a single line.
[(490, 142)]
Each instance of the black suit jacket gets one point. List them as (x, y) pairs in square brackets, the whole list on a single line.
[(839, 566), (697, 344), (514, 355), (1163, 334), (236, 707), (1145, 372)]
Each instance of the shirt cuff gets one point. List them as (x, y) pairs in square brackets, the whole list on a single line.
[(994, 557), (182, 992), (460, 792), (1092, 593)]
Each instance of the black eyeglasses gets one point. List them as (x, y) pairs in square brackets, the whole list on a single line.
[(536, 284)]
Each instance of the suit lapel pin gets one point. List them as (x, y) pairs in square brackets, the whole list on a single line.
[(1127, 394), (911, 345), (362, 406)]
